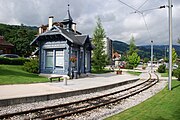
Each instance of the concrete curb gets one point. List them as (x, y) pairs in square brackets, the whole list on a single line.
[(30, 99)]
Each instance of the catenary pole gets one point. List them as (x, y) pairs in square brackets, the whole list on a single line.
[(151, 56), (170, 44)]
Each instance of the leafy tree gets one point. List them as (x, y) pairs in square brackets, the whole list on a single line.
[(174, 56), (145, 60), (132, 46), (99, 58), (134, 59), (20, 37)]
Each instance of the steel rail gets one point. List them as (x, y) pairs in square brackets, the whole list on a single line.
[(103, 104), (77, 102)]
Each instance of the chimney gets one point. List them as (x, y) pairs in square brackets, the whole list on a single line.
[(74, 27), (40, 30), (50, 22)]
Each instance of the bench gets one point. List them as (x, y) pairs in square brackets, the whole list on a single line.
[(54, 77)]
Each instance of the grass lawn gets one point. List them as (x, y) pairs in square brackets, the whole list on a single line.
[(163, 106), (134, 73), (13, 74), (164, 74)]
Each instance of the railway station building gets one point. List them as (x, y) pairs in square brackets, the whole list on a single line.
[(62, 49)]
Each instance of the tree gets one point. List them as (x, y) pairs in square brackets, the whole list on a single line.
[(99, 59), (145, 60), (174, 56), (20, 37), (133, 60), (132, 46), (132, 57)]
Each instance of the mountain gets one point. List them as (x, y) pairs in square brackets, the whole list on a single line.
[(145, 51), (119, 46)]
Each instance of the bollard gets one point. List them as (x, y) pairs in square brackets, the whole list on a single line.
[(75, 74), (65, 80)]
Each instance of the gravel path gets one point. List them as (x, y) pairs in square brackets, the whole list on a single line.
[(97, 113)]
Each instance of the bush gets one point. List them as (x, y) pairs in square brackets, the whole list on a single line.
[(162, 69), (129, 66), (32, 66), (176, 73), (13, 61)]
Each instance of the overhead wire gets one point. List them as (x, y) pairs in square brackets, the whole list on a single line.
[(147, 27), (142, 4), (129, 6), (140, 12)]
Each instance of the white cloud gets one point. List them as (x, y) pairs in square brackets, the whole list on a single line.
[(117, 21)]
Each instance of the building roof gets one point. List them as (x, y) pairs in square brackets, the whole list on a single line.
[(72, 37), (5, 43), (82, 38)]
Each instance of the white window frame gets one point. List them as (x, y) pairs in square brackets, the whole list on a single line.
[(54, 58), (62, 57)]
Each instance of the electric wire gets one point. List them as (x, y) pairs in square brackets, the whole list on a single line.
[(147, 27), (129, 6), (140, 12), (142, 4)]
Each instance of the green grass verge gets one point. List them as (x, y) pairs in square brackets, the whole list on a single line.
[(14, 74), (163, 106), (164, 74), (134, 73)]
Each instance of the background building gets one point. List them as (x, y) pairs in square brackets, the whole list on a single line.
[(108, 48)]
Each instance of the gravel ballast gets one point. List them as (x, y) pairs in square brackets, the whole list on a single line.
[(99, 113)]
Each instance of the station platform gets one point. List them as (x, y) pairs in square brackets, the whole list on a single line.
[(15, 94)]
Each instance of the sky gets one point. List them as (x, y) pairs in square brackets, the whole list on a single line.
[(119, 21)]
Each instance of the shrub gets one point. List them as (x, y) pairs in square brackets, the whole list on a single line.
[(13, 61), (162, 68), (32, 66), (129, 66), (176, 73)]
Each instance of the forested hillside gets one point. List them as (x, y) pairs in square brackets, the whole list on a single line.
[(20, 37), (145, 51), (120, 47)]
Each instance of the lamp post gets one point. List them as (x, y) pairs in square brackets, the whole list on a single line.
[(151, 56), (170, 44)]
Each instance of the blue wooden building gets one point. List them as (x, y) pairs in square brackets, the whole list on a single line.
[(58, 44)]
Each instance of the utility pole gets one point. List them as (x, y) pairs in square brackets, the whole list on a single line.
[(151, 56), (170, 44), (165, 54)]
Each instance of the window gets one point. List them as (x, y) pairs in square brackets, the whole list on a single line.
[(59, 58), (49, 58)]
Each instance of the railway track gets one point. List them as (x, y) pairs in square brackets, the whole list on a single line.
[(68, 109)]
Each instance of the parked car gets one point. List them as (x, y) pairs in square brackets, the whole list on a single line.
[(9, 55)]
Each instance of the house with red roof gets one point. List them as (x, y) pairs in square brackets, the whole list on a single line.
[(5, 47)]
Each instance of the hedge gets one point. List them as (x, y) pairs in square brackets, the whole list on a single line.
[(13, 61)]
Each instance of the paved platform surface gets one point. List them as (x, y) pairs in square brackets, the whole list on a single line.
[(94, 80)]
